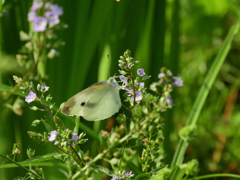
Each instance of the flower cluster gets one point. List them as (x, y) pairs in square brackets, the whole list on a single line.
[(166, 82), (122, 175), (63, 138), (168, 77), (42, 14), (134, 87), (32, 96)]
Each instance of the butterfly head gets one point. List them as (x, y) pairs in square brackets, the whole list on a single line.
[(112, 81)]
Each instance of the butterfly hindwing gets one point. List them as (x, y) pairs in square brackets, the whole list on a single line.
[(104, 104)]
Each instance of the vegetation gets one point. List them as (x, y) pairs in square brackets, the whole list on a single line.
[(180, 106)]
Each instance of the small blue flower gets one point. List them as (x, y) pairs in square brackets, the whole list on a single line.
[(39, 24), (169, 100), (52, 18), (123, 79), (53, 135), (44, 88), (31, 15), (114, 178), (56, 143), (141, 84), (141, 72), (138, 96), (56, 9), (177, 82), (31, 97), (123, 175), (160, 75), (129, 91), (129, 174), (75, 137), (36, 5)]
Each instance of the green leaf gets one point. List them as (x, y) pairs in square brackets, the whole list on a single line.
[(204, 91), (37, 161), (48, 126), (103, 170), (142, 175)]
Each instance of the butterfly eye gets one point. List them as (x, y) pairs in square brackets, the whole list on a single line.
[(83, 103)]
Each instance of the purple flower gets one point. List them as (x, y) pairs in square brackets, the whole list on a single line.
[(56, 9), (114, 178), (177, 82), (141, 72), (31, 15), (39, 24), (129, 91), (52, 18), (44, 88), (31, 97), (129, 174), (124, 80), (138, 96), (56, 143), (141, 84), (123, 175), (169, 100), (53, 135), (36, 5), (75, 137), (160, 75)]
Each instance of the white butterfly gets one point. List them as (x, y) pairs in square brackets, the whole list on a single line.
[(97, 102)]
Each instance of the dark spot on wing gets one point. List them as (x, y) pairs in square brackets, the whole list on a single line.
[(88, 104), (66, 110), (91, 105)]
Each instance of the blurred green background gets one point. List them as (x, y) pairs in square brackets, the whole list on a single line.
[(182, 35)]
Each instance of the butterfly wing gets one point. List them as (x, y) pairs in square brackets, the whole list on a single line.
[(97, 102), (102, 104), (75, 104)]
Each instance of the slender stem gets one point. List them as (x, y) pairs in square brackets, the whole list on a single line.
[(31, 171), (45, 108), (101, 155), (78, 157), (65, 152)]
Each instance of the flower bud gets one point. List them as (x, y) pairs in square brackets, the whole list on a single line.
[(24, 36), (36, 122), (34, 108), (30, 153)]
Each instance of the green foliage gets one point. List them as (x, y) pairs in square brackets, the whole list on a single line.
[(184, 36)]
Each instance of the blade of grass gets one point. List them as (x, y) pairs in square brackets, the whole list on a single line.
[(215, 176), (202, 95)]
